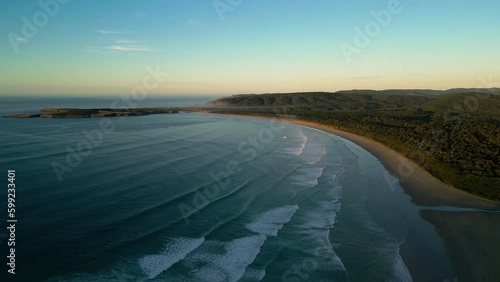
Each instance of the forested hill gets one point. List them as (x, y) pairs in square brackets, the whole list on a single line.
[(325, 101), (453, 135), (345, 100)]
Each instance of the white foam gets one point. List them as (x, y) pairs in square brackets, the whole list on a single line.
[(307, 177), (322, 219), (176, 250), (334, 179), (400, 272), (315, 154), (231, 263), (324, 216), (314, 150), (228, 261), (304, 139), (297, 150), (319, 220), (270, 222)]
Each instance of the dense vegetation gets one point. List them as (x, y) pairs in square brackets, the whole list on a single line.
[(456, 137)]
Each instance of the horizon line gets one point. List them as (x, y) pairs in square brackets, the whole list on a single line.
[(83, 95)]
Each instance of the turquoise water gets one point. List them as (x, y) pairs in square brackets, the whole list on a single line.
[(196, 197)]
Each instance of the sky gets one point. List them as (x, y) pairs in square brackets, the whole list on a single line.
[(95, 47)]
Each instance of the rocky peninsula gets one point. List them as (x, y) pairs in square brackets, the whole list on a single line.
[(93, 113)]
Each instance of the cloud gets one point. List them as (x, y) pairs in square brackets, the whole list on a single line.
[(126, 41), (21, 39), (102, 31), (131, 48), (120, 48), (121, 45)]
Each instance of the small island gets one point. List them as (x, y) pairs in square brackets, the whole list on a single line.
[(94, 113)]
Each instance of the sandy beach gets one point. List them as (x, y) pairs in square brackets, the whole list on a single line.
[(470, 240)]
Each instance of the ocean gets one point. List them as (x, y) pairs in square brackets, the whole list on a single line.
[(200, 197)]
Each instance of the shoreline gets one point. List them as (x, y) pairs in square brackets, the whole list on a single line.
[(423, 188), (462, 248)]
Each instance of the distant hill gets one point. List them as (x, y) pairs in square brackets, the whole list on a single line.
[(353, 100), (343, 100), (470, 103)]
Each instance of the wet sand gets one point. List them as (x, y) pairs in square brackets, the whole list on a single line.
[(472, 242)]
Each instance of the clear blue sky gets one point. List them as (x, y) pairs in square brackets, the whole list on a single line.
[(104, 47)]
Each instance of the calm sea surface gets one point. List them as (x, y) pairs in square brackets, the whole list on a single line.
[(196, 197)]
